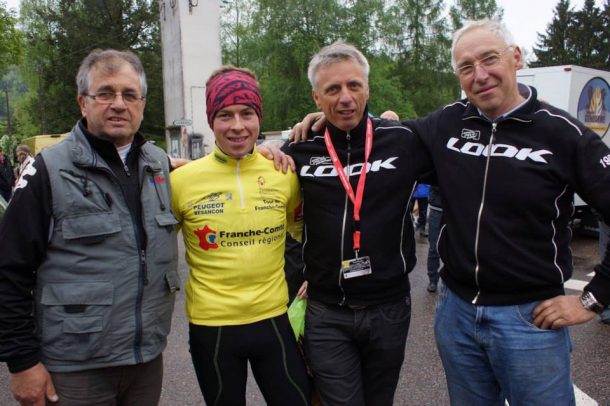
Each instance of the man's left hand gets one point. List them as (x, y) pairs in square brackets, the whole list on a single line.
[(280, 159), (561, 311)]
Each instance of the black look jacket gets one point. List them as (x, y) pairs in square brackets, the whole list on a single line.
[(387, 231), (507, 188)]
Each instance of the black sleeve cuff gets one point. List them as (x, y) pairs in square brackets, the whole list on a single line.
[(600, 287), (21, 364)]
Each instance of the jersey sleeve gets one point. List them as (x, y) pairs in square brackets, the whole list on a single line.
[(175, 182), (294, 208), (24, 234), (593, 185)]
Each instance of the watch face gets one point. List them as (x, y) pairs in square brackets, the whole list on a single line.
[(590, 303)]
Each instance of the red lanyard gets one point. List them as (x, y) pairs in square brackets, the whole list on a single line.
[(357, 199)]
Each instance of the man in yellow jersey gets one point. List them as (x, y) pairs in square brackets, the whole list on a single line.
[(234, 209)]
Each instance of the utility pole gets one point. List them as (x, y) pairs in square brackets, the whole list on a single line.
[(9, 128), (190, 35)]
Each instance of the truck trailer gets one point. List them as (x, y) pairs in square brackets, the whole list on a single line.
[(585, 94)]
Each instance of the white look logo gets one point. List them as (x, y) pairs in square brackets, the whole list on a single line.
[(29, 171), (355, 169), (504, 150)]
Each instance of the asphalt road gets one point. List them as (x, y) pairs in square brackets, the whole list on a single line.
[(422, 380)]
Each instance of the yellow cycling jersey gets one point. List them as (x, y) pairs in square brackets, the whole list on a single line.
[(234, 214)]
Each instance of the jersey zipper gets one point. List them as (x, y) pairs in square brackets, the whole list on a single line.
[(494, 127), (239, 186), (348, 137), (142, 276)]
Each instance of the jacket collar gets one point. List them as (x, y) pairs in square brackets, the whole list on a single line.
[(357, 134), (86, 147), (225, 159), (524, 111)]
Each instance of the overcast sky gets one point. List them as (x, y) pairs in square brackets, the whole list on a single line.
[(524, 18)]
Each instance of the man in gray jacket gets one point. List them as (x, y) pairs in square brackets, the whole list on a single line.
[(88, 271)]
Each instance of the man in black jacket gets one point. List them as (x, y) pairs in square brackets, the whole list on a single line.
[(357, 178), (508, 166)]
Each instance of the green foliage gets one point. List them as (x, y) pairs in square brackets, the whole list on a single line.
[(465, 10), (580, 37), (11, 39), (406, 42), (386, 91)]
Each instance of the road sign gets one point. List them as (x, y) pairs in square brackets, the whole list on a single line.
[(183, 123)]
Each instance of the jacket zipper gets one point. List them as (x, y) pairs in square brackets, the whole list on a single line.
[(494, 127), (239, 186), (348, 137), (143, 277)]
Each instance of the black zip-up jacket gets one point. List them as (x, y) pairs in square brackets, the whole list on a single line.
[(387, 232), (507, 188)]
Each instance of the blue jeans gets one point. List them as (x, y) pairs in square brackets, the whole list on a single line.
[(434, 259), (356, 354), (492, 353)]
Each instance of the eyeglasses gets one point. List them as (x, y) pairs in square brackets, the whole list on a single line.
[(110, 97), (491, 60)]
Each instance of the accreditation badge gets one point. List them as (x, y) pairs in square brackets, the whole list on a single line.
[(352, 268)]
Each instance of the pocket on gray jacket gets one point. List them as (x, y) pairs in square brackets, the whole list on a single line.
[(75, 320)]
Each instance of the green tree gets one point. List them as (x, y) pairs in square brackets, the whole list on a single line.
[(464, 10), (575, 37), (588, 36), (418, 38), (554, 46), (11, 39), (605, 35), (280, 41), (236, 17), (11, 43)]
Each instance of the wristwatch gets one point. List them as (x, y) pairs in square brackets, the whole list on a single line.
[(589, 302)]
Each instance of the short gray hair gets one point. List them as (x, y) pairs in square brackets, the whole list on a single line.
[(110, 60), (495, 26), (338, 51)]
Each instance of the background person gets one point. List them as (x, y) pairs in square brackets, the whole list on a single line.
[(234, 210), (420, 215), (389, 115), (24, 160), (435, 219), (88, 267), (7, 178)]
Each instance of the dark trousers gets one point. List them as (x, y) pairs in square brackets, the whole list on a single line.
[(356, 354), (220, 356), (130, 385)]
